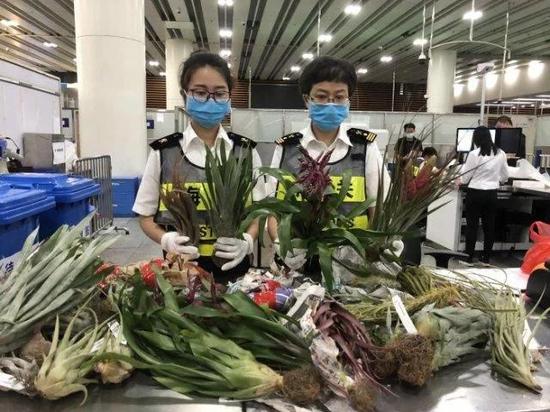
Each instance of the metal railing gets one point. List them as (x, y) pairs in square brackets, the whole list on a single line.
[(99, 169)]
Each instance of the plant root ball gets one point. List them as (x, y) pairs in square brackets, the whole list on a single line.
[(36, 349), (385, 364), (362, 397), (415, 354), (302, 386)]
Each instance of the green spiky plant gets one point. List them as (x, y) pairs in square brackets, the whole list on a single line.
[(229, 184), (411, 191)]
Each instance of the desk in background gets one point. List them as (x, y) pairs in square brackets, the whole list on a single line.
[(518, 207)]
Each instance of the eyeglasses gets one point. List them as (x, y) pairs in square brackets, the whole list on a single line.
[(202, 95), (324, 99)]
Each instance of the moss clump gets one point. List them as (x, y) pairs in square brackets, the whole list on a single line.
[(385, 364), (302, 386), (362, 397)]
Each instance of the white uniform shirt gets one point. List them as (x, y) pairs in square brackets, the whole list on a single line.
[(373, 159), (485, 172), (147, 198)]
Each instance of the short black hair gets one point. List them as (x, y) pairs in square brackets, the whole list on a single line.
[(504, 119), (199, 59), (328, 69), (429, 151), (409, 126)]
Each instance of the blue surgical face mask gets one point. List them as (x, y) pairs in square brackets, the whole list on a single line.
[(328, 116), (207, 114)]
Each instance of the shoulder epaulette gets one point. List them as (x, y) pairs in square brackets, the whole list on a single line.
[(362, 135), (291, 138), (167, 141), (241, 140)]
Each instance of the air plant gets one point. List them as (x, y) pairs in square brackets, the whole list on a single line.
[(510, 355), (455, 331), (376, 310), (69, 361)]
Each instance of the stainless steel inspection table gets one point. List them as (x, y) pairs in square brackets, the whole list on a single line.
[(464, 387)]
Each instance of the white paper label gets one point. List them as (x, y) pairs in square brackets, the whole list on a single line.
[(10, 383), (403, 315), (58, 152), (97, 345), (115, 330)]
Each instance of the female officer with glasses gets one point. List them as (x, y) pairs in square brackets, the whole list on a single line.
[(327, 84), (205, 84)]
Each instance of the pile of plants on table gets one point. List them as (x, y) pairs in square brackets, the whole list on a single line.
[(272, 334)]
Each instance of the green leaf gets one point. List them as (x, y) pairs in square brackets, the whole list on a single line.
[(340, 233), (285, 234), (244, 305), (203, 311), (157, 339), (344, 189), (325, 261), (360, 209), (170, 300)]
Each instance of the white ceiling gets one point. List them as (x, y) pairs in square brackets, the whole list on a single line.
[(269, 36)]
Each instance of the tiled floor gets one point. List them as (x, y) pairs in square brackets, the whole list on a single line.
[(137, 247), (131, 248)]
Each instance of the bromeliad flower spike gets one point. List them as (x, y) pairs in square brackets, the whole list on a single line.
[(313, 174)]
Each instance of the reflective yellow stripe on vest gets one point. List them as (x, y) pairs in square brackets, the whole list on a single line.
[(206, 249), (356, 191)]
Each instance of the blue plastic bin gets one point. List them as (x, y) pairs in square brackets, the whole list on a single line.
[(124, 196), (72, 197), (19, 211)]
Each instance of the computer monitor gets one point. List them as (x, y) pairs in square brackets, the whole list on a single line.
[(465, 138), (509, 140)]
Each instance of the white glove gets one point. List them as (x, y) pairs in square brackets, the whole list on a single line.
[(294, 259), (396, 248), (173, 242), (233, 249)]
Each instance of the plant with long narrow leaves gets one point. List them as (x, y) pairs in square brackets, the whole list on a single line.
[(55, 277), (410, 193), (191, 357), (228, 189)]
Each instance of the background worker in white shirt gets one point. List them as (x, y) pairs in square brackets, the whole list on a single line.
[(485, 169), (205, 85), (326, 84)]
